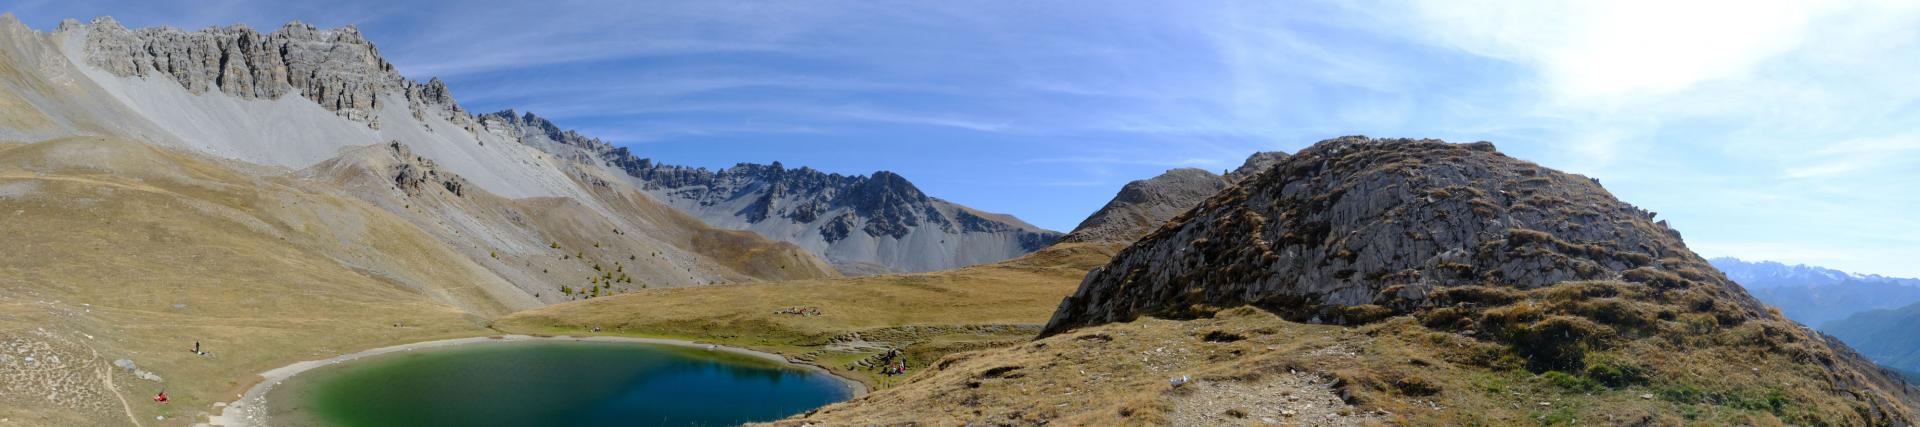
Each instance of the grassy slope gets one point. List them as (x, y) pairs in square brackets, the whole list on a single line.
[(946, 308), (1660, 371), (118, 250)]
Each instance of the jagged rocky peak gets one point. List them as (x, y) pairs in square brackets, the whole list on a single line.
[(1388, 224), (874, 223), (336, 68), (526, 125)]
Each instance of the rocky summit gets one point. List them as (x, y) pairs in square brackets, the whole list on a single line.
[(1144, 205), (336, 68), (1387, 223), (1464, 239)]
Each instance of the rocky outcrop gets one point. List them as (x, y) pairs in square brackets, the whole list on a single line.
[(1145, 204), (414, 174), (336, 68), (1543, 267), (1387, 222), (864, 224), (1255, 164)]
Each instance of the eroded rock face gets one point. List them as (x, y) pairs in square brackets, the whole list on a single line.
[(414, 174), (336, 68), (1356, 221)]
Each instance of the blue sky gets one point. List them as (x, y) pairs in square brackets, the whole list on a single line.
[(1761, 129)]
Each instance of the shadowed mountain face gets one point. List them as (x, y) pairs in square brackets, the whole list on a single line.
[(863, 224), (1886, 336)]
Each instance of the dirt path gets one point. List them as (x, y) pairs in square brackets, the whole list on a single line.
[(106, 378), (251, 410)]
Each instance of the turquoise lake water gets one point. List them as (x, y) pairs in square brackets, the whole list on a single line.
[(552, 384)]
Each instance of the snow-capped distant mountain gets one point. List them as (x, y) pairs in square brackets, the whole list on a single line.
[(1814, 295), (1769, 274)]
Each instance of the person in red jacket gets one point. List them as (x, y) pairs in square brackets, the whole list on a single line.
[(160, 398)]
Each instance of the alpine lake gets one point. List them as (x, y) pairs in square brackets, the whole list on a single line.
[(552, 383)]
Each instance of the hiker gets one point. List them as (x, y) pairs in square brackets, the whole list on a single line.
[(160, 398), (196, 347)]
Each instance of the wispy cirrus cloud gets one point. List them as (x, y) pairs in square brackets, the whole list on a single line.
[(1756, 127)]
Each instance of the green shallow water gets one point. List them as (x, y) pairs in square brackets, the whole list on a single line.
[(552, 384)]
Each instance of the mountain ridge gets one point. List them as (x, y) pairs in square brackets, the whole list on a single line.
[(1767, 274), (864, 224), (876, 223), (1816, 296)]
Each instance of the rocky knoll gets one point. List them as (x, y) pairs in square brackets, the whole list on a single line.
[(1255, 164), (1143, 205), (336, 68), (1386, 223), (1548, 266)]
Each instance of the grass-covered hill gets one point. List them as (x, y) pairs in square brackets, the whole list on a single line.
[(1416, 282)]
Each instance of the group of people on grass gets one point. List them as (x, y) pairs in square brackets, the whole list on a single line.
[(893, 363), (799, 311)]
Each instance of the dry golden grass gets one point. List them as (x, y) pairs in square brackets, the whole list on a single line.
[(947, 308), (1394, 372), (131, 252)]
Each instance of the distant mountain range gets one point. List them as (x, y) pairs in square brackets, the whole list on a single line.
[(1769, 274), (862, 224), (1875, 314), (1816, 295)]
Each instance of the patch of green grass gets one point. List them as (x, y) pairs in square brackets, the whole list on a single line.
[(1770, 401), (1571, 382), (1555, 417)]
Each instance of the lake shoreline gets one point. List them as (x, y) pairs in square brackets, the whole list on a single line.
[(250, 410)]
